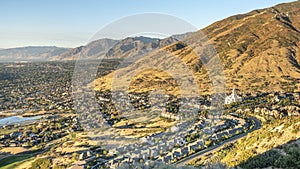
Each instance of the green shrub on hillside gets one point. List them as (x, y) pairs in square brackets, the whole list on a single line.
[(41, 163)]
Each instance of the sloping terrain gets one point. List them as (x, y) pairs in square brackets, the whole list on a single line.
[(259, 52), (134, 46), (94, 49)]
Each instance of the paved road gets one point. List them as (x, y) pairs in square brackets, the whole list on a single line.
[(188, 159)]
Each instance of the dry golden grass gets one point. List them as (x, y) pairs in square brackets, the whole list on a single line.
[(14, 150), (69, 149), (148, 127), (25, 165), (259, 53)]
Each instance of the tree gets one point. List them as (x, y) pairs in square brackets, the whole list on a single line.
[(204, 113), (58, 126), (105, 152), (59, 167), (215, 166), (34, 129), (188, 139), (74, 156), (207, 143), (41, 163)]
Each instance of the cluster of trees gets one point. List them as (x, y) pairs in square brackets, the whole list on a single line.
[(274, 158), (41, 163)]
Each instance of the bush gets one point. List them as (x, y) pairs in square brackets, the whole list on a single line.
[(215, 166), (59, 167), (41, 163)]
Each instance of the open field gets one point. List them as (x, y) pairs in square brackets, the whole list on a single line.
[(13, 161)]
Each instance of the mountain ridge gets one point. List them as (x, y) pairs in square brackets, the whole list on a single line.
[(94, 49), (101, 48), (259, 51)]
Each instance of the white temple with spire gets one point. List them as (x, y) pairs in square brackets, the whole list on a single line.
[(232, 98)]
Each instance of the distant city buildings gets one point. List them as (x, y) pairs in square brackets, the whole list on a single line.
[(232, 98)]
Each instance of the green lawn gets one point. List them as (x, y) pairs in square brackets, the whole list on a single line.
[(12, 162)]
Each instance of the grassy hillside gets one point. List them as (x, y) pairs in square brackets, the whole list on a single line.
[(264, 147), (262, 142), (259, 52)]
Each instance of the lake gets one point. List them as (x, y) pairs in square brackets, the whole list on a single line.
[(18, 120)]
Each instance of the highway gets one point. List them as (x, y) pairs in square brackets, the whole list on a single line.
[(188, 159)]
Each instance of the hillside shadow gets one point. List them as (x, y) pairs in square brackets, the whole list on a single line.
[(283, 156)]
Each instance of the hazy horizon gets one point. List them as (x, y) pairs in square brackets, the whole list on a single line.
[(70, 24)]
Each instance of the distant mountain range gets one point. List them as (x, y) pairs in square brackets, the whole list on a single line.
[(102, 48), (31, 53)]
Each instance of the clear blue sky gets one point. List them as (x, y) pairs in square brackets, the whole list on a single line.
[(70, 23)]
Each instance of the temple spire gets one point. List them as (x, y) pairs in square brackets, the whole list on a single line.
[(233, 97)]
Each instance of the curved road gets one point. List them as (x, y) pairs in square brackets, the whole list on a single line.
[(188, 159)]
